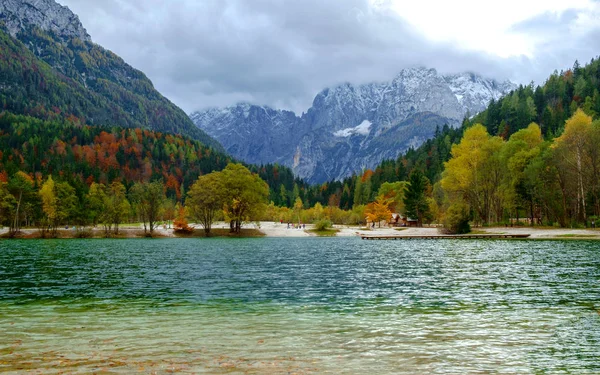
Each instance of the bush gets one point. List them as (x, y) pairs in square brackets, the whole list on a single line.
[(323, 225), (180, 226), (83, 233), (457, 219)]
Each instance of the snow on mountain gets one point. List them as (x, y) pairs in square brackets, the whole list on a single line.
[(351, 127), (363, 129)]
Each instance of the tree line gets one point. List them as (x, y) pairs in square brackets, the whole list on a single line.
[(546, 181), (234, 194), (550, 106)]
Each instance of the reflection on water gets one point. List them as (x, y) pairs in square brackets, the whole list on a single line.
[(299, 306)]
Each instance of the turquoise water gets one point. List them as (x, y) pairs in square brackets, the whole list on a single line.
[(306, 305)]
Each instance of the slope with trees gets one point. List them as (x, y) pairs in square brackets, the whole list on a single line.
[(47, 77)]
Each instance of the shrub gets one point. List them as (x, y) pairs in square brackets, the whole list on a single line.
[(457, 219), (180, 225), (323, 225), (83, 233)]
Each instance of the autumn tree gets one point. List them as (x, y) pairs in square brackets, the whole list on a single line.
[(474, 172), (519, 188), (205, 200), (298, 208), (180, 224), (246, 195), (379, 210), (49, 204), (395, 192), (572, 146), (593, 152), (59, 204)]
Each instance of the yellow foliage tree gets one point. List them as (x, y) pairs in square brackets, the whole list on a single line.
[(379, 210), (572, 146), (474, 172), (49, 202)]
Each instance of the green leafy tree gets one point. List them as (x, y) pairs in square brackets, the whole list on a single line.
[(205, 200), (148, 198), (116, 205), (246, 195), (67, 202), (96, 198), (395, 192), (7, 203), (59, 204), (21, 186)]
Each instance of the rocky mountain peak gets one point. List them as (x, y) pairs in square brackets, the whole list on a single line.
[(48, 15), (351, 127)]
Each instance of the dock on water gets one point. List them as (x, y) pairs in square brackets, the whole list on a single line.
[(447, 236)]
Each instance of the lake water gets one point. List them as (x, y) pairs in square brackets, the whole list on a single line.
[(306, 305)]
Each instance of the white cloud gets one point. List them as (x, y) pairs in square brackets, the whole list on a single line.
[(483, 25), (282, 52)]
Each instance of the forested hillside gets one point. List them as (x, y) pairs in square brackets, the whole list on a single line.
[(47, 77), (82, 155), (565, 191)]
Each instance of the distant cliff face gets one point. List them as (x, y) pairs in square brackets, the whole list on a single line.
[(48, 15), (349, 128), (55, 68)]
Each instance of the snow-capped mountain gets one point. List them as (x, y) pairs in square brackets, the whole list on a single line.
[(351, 127)]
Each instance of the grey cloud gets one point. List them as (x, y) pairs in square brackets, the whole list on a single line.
[(547, 22), (279, 53), (563, 39)]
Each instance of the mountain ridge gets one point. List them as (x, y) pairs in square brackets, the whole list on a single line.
[(348, 119), (50, 67), (47, 15)]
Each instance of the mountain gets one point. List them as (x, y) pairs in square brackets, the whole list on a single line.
[(49, 67), (349, 128)]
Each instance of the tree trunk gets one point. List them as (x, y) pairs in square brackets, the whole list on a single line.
[(531, 210), (16, 221), (580, 181)]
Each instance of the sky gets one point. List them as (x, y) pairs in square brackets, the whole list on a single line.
[(281, 53)]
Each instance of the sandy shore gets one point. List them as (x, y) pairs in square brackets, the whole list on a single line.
[(272, 229), (280, 230)]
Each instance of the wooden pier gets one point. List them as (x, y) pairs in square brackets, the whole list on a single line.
[(448, 237)]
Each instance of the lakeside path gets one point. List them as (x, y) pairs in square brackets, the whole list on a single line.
[(279, 230), (273, 229)]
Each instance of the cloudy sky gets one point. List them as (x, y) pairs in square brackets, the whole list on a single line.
[(203, 53)]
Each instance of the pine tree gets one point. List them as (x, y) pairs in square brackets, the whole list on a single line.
[(415, 200)]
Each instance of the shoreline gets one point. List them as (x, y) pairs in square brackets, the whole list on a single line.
[(278, 230)]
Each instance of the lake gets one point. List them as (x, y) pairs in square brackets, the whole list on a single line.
[(299, 305)]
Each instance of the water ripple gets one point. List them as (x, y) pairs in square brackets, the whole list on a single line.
[(300, 305)]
